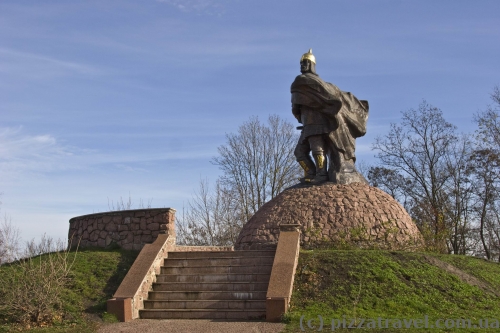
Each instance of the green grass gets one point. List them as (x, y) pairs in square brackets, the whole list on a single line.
[(95, 276), (372, 284), (330, 283)]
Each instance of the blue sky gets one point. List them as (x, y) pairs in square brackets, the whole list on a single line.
[(99, 99)]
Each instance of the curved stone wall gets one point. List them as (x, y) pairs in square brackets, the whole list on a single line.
[(333, 215), (129, 229)]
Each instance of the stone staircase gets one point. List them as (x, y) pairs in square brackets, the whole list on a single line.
[(211, 285)]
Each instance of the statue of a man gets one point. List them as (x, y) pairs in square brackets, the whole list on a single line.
[(332, 120)]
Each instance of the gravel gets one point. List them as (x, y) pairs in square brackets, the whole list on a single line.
[(191, 326)]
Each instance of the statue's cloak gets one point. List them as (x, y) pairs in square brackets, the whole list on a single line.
[(345, 114)]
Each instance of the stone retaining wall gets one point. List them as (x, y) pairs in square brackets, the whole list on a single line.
[(129, 229), (333, 215)]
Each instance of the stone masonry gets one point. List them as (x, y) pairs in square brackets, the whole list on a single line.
[(333, 215), (129, 229)]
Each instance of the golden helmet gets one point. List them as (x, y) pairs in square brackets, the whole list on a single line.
[(309, 56)]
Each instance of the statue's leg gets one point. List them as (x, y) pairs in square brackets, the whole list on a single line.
[(317, 144), (335, 163), (301, 152), (348, 173)]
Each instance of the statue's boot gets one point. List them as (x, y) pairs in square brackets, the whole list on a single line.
[(309, 170), (321, 173)]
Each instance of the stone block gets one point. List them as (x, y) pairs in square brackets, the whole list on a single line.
[(121, 308), (122, 227), (153, 226), (111, 227), (94, 236), (130, 238)]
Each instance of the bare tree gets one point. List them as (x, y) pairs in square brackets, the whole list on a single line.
[(493, 227), (391, 181), (127, 205), (458, 201), (485, 169), (489, 123), (417, 150), (211, 218), (9, 241), (258, 162)]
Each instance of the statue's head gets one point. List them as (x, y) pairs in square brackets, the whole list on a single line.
[(308, 63)]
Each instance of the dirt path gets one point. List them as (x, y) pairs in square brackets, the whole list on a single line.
[(464, 276), (191, 326)]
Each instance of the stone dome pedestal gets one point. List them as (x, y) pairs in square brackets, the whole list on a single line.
[(333, 216)]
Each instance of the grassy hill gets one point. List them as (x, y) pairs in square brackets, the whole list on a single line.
[(94, 277), (330, 283), (393, 285)]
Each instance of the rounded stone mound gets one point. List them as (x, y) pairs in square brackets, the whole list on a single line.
[(333, 215)]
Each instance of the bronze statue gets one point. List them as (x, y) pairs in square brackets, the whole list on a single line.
[(332, 120)]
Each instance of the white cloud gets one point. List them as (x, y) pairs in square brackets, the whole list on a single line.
[(41, 66), (22, 152)]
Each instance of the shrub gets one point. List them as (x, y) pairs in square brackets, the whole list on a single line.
[(31, 288)]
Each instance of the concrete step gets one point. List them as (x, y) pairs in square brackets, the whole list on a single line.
[(209, 261), (207, 304), (213, 278), (211, 286), (220, 254), (206, 295), (227, 285), (229, 269), (202, 314)]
